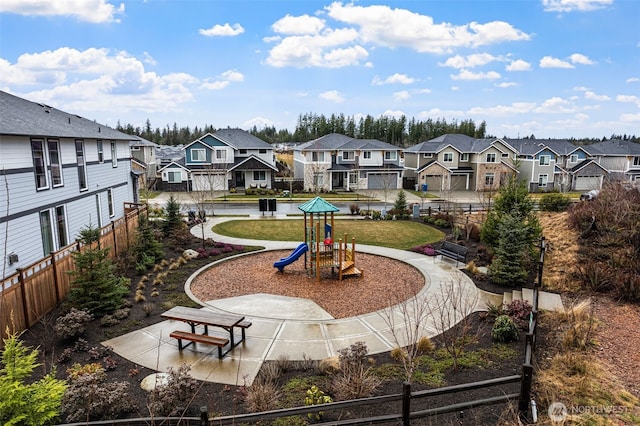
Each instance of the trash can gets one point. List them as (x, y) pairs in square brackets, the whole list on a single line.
[(424, 187)]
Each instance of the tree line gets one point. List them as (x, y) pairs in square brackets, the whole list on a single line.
[(396, 131)]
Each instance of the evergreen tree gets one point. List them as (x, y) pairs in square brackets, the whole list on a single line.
[(95, 287), (173, 220), (400, 204), (23, 401), (148, 250), (512, 250)]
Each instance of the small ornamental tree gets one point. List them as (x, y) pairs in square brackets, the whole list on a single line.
[(147, 249), (94, 286), (512, 252), (400, 204), (173, 220), (21, 403)]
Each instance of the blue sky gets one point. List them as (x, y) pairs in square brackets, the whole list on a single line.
[(552, 68)]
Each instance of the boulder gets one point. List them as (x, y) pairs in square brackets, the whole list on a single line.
[(190, 254)]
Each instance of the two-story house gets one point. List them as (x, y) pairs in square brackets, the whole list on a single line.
[(144, 160), (620, 157), (228, 158), (460, 162), (337, 162), (59, 174)]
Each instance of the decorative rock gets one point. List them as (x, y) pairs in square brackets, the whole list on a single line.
[(329, 365), (150, 382), (190, 254)]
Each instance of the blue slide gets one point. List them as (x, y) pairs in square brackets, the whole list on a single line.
[(299, 251)]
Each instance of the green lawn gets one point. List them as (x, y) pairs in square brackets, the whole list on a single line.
[(387, 233)]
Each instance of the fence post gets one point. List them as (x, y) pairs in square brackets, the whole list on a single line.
[(406, 403), (23, 294), (469, 208), (204, 416), (115, 240), (54, 270), (525, 391)]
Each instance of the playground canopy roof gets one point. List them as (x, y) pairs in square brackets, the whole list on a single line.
[(318, 205)]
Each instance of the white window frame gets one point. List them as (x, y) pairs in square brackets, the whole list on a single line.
[(636, 160), (317, 156), (543, 180), (81, 163), (427, 154), (490, 157), (171, 173), (199, 151), (100, 149), (544, 160), (447, 157), (366, 155), (46, 232), (391, 155), (489, 179), (464, 157), (353, 178), (504, 155), (114, 154), (221, 154), (39, 156), (55, 163), (259, 175), (348, 155), (318, 180), (573, 158), (62, 230)]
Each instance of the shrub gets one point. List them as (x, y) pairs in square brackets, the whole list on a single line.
[(262, 395), (72, 324), (519, 311), (172, 398), (424, 345), (90, 397), (554, 202), (316, 397), (504, 329), (214, 252), (355, 379)]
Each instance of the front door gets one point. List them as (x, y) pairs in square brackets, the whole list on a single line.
[(239, 179)]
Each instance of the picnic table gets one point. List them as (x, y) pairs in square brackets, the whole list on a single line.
[(206, 318)]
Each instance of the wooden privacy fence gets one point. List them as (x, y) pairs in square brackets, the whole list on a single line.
[(35, 290)]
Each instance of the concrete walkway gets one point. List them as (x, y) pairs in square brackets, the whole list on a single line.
[(284, 326)]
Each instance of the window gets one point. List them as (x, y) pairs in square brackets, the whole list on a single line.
[(348, 155), (636, 161), (135, 148), (198, 155), (39, 164), (464, 157), (542, 180), (545, 160), (99, 211), (488, 179), (82, 166), (447, 157), (61, 226), (174, 177), (100, 152), (55, 163), (318, 180), (427, 155), (47, 234), (259, 175), (317, 156), (353, 178), (504, 155), (573, 158), (221, 154), (262, 151), (243, 151), (112, 211), (390, 155), (491, 157), (367, 155), (114, 155)]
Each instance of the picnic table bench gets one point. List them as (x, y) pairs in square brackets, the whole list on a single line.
[(453, 251), (206, 318)]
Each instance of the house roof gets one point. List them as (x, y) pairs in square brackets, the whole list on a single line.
[(25, 118), (334, 141), (138, 141), (615, 147), (318, 205), (462, 143), (251, 163), (534, 146), (241, 139)]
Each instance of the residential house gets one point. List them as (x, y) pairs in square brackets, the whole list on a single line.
[(620, 157), (228, 158), (60, 173), (557, 165), (337, 162), (144, 160), (459, 162)]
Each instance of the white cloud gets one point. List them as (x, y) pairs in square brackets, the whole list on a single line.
[(321, 50), (259, 122), (468, 75), (571, 5), (393, 114), (470, 61), (503, 110), (94, 11), (594, 96), (402, 95), (555, 105), (298, 25), (232, 75), (578, 58), (392, 28), (551, 62), (518, 65), (506, 85), (332, 95), (223, 80), (225, 30), (630, 117), (628, 98), (393, 79), (437, 112), (632, 80), (423, 91)]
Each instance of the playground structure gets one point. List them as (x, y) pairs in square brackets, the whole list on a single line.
[(323, 252)]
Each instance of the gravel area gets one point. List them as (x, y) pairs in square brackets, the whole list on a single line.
[(385, 281)]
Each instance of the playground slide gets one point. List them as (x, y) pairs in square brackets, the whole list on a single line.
[(299, 251)]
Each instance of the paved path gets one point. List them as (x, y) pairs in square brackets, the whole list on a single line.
[(284, 326)]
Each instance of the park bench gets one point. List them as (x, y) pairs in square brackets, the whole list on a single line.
[(453, 251), (199, 338)]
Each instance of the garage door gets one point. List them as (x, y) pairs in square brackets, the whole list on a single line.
[(208, 182), (458, 182), (434, 183), (587, 183), (382, 181)]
